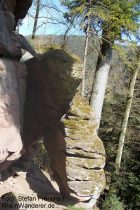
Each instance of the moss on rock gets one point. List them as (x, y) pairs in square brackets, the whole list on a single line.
[(85, 151)]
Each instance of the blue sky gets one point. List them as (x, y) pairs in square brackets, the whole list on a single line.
[(45, 15)]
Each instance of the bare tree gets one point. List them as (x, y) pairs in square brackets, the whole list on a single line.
[(53, 16), (66, 36), (86, 50), (85, 56), (37, 2)]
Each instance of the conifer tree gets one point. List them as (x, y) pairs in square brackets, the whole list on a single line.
[(112, 21)]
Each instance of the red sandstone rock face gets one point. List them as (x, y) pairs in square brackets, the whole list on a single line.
[(10, 112), (18, 7), (9, 44), (11, 83)]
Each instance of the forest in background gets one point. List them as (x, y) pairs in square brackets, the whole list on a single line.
[(123, 185)]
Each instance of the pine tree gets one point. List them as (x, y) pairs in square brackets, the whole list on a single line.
[(111, 20)]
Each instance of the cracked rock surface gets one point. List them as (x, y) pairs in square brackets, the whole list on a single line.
[(85, 151)]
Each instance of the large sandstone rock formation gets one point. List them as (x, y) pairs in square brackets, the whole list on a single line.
[(11, 74), (51, 84), (76, 153), (55, 112)]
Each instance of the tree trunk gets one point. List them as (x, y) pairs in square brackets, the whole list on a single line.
[(85, 58), (125, 120), (86, 52), (100, 81), (36, 18), (65, 37)]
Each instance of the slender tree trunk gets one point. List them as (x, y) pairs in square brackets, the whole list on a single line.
[(125, 120), (86, 52), (85, 58), (36, 18), (100, 80), (65, 37), (64, 44)]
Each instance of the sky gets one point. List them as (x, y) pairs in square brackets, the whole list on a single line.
[(58, 27)]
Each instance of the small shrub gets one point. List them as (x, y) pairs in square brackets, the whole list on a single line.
[(112, 202)]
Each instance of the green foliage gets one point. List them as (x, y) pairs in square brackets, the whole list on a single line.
[(114, 18), (112, 202), (130, 56), (41, 158), (74, 208), (129, 185)]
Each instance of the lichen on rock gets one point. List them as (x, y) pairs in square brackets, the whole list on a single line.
[(85, 151)]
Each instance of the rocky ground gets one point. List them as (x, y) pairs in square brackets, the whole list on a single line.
[(33, 190)]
